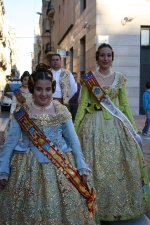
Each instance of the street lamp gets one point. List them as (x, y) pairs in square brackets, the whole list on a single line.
[(39, 13)]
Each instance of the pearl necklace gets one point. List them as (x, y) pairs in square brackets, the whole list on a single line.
[(104, 76), (43, 109)]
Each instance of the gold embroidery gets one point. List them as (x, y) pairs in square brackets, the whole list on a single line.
[(62, 115)]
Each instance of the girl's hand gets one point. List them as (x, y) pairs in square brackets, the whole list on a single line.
[(3, 183), (84, 179)]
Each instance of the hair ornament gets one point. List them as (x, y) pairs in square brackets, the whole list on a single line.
[(41, 68), (26, 72)]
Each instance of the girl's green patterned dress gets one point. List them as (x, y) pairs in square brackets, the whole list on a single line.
[(119, 171)]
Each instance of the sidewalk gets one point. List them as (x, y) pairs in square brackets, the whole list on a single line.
[(140, 122), (144, 219)]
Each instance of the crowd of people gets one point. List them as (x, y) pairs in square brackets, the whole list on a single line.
[(79, 159)]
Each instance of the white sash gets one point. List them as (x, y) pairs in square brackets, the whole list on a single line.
[(109, 105)]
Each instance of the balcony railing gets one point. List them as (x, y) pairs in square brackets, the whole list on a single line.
[(50, 9), (49, 49)]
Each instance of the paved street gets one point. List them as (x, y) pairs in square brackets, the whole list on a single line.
[(144, 219), (140, 121)]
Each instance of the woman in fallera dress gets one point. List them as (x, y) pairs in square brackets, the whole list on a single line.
[(119, 171), (39, 181), (21, 91)]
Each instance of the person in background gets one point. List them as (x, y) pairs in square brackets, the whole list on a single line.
[(66, 86), (110, 143), (21, 95), (73, 102), (146, 106), (39, 182)]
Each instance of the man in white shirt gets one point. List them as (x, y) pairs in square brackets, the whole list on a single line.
[(66, 86)]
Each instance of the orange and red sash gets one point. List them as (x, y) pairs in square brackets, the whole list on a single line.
[(18, 94), (94, 87), (50, 150)]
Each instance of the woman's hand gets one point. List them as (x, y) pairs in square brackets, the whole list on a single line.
[(3, 183), (84, 178)]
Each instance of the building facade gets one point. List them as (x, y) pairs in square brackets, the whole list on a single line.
[(36, 54), (9, 55), (44, 45), (82, 25)]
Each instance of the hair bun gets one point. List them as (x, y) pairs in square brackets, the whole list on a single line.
[(26, 72), (41, 68)]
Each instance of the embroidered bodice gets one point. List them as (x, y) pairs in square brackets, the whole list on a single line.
[(60, 116), (57, 127), (28, 97), (52, 124), (116, 92)]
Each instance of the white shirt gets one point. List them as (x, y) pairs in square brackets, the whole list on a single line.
[(73, 85)]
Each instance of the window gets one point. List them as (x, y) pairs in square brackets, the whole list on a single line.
[(71, 59), (82, 55), (46, 25), (145, 37), (82, 5)]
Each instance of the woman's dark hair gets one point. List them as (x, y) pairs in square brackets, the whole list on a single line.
[(41, 73), (25, 74), (104, 45), (147, 85)]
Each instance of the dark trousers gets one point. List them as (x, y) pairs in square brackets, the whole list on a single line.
[(147, 122), (73, 110)]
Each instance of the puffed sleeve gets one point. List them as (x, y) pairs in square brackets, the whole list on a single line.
[(11, 141), (69, 133), (84, 98), (124, 105)]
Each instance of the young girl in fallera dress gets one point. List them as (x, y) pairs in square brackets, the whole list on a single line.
[(38, 180), (23, 90)]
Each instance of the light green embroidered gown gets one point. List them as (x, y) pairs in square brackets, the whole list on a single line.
[(119, 170)]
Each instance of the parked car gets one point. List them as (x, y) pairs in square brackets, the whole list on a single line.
[(6, 98)]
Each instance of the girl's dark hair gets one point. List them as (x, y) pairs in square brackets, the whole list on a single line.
[(147, 85), (25, 74), (41, 73), (104, 45)]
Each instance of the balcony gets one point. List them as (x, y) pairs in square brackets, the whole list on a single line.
[(38, 39), (50, 9), (49, 49)]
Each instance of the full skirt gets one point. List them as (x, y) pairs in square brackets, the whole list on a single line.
[(40, 194), (119, 171)]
